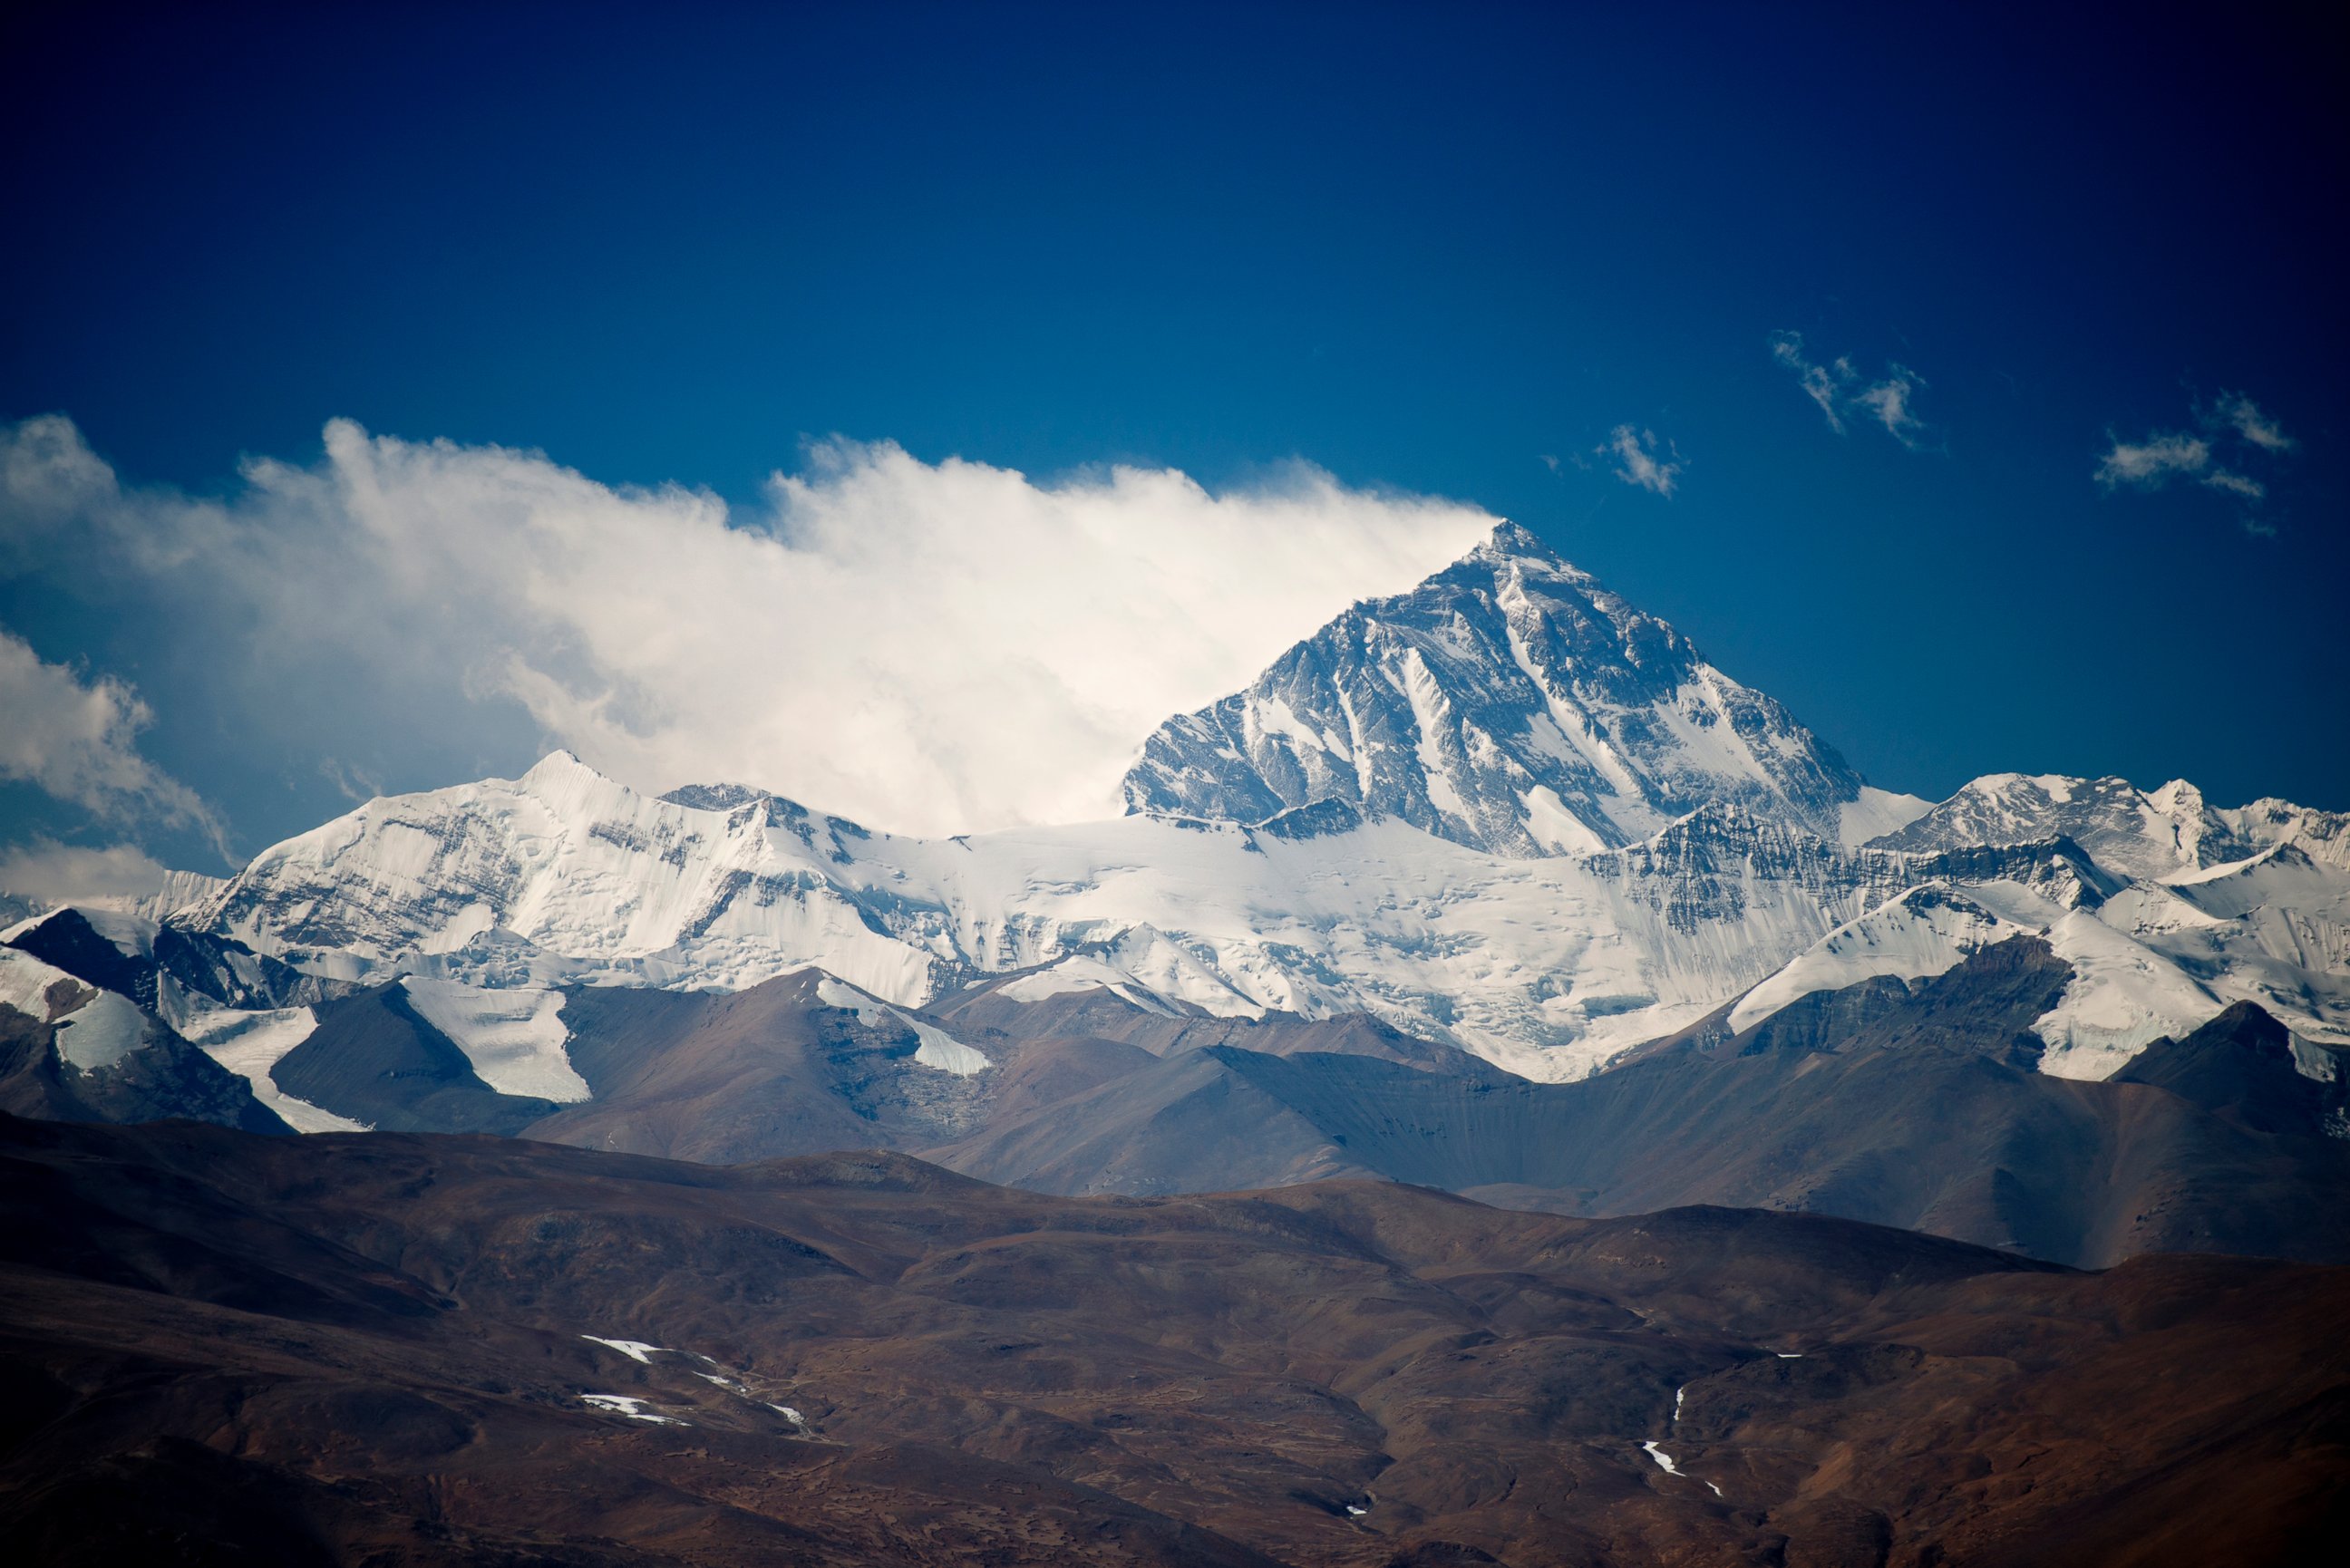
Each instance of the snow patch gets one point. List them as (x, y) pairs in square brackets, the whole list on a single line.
[(629, 1405), (1925, 931), (1665, 1463), (132, 936), (101, 1032), (636, 1350), (513, 1038), (1550, 823), (2123, 996), (249, 1045), (936, 1048), (1876, 813)]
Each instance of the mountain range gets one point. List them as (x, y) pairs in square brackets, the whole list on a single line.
[(1503, 1092), (1503, 853)]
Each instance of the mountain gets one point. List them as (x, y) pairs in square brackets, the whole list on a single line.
[(1505, 812), (2168, 834), (1920, 1107), (1327, 892), (73, 1051), (1921, 1103), (1509, 703), (443, 1350)]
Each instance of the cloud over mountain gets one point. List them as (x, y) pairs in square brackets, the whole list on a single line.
[(78, 741), (933, 647)]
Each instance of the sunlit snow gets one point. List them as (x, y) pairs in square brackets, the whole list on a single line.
[(629, 1405), (514, 1038), (634, 1349)]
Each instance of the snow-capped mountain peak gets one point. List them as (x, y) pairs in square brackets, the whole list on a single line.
[(1510, 704)]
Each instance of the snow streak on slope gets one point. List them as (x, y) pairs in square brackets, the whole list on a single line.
[(935, 1047), (250, 1044), (514, 1039), (1509, 703), (1925, 931)]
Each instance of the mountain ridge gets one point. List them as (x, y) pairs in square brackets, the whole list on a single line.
[(1549, 959)]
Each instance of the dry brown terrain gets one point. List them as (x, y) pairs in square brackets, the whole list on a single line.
[(224, 1348)]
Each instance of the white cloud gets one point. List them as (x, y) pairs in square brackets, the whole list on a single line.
[(1888, 400), (2153, 462), (1819, 381), (48, 873), (2244, 416), (1841, 391), (78, 743), (1637, 460), (929, 647), (2165, 455)]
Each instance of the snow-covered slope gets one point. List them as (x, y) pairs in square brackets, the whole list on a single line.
[(1548, 966), (1506, 810), (2167, 833), (2154, 956), (1509, 703)]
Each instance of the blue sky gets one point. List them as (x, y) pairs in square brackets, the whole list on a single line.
[(1443, 251)]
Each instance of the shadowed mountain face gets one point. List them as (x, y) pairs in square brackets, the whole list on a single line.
[(1917, 1104), (372, 1347), (1920, 1109), (164, 1076)]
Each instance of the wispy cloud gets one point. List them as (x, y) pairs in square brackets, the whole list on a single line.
[(1638, 462), (2155, 461), (936, 648), (1843, 394), (2244, 416), (2232, 430), (77, 742), (1821, 382)]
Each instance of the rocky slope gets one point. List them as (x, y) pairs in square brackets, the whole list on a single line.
[(1921, 1108)]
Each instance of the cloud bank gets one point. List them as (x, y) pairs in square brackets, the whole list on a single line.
[(78, 741), (44, 873), (1843, 393), (929, 647)]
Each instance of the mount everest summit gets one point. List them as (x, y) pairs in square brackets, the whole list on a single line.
[(1505, 812)]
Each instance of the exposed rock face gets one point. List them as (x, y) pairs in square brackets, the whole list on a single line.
[(1510, 703)]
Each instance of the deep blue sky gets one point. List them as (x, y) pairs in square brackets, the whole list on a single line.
[(1421, 247)]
